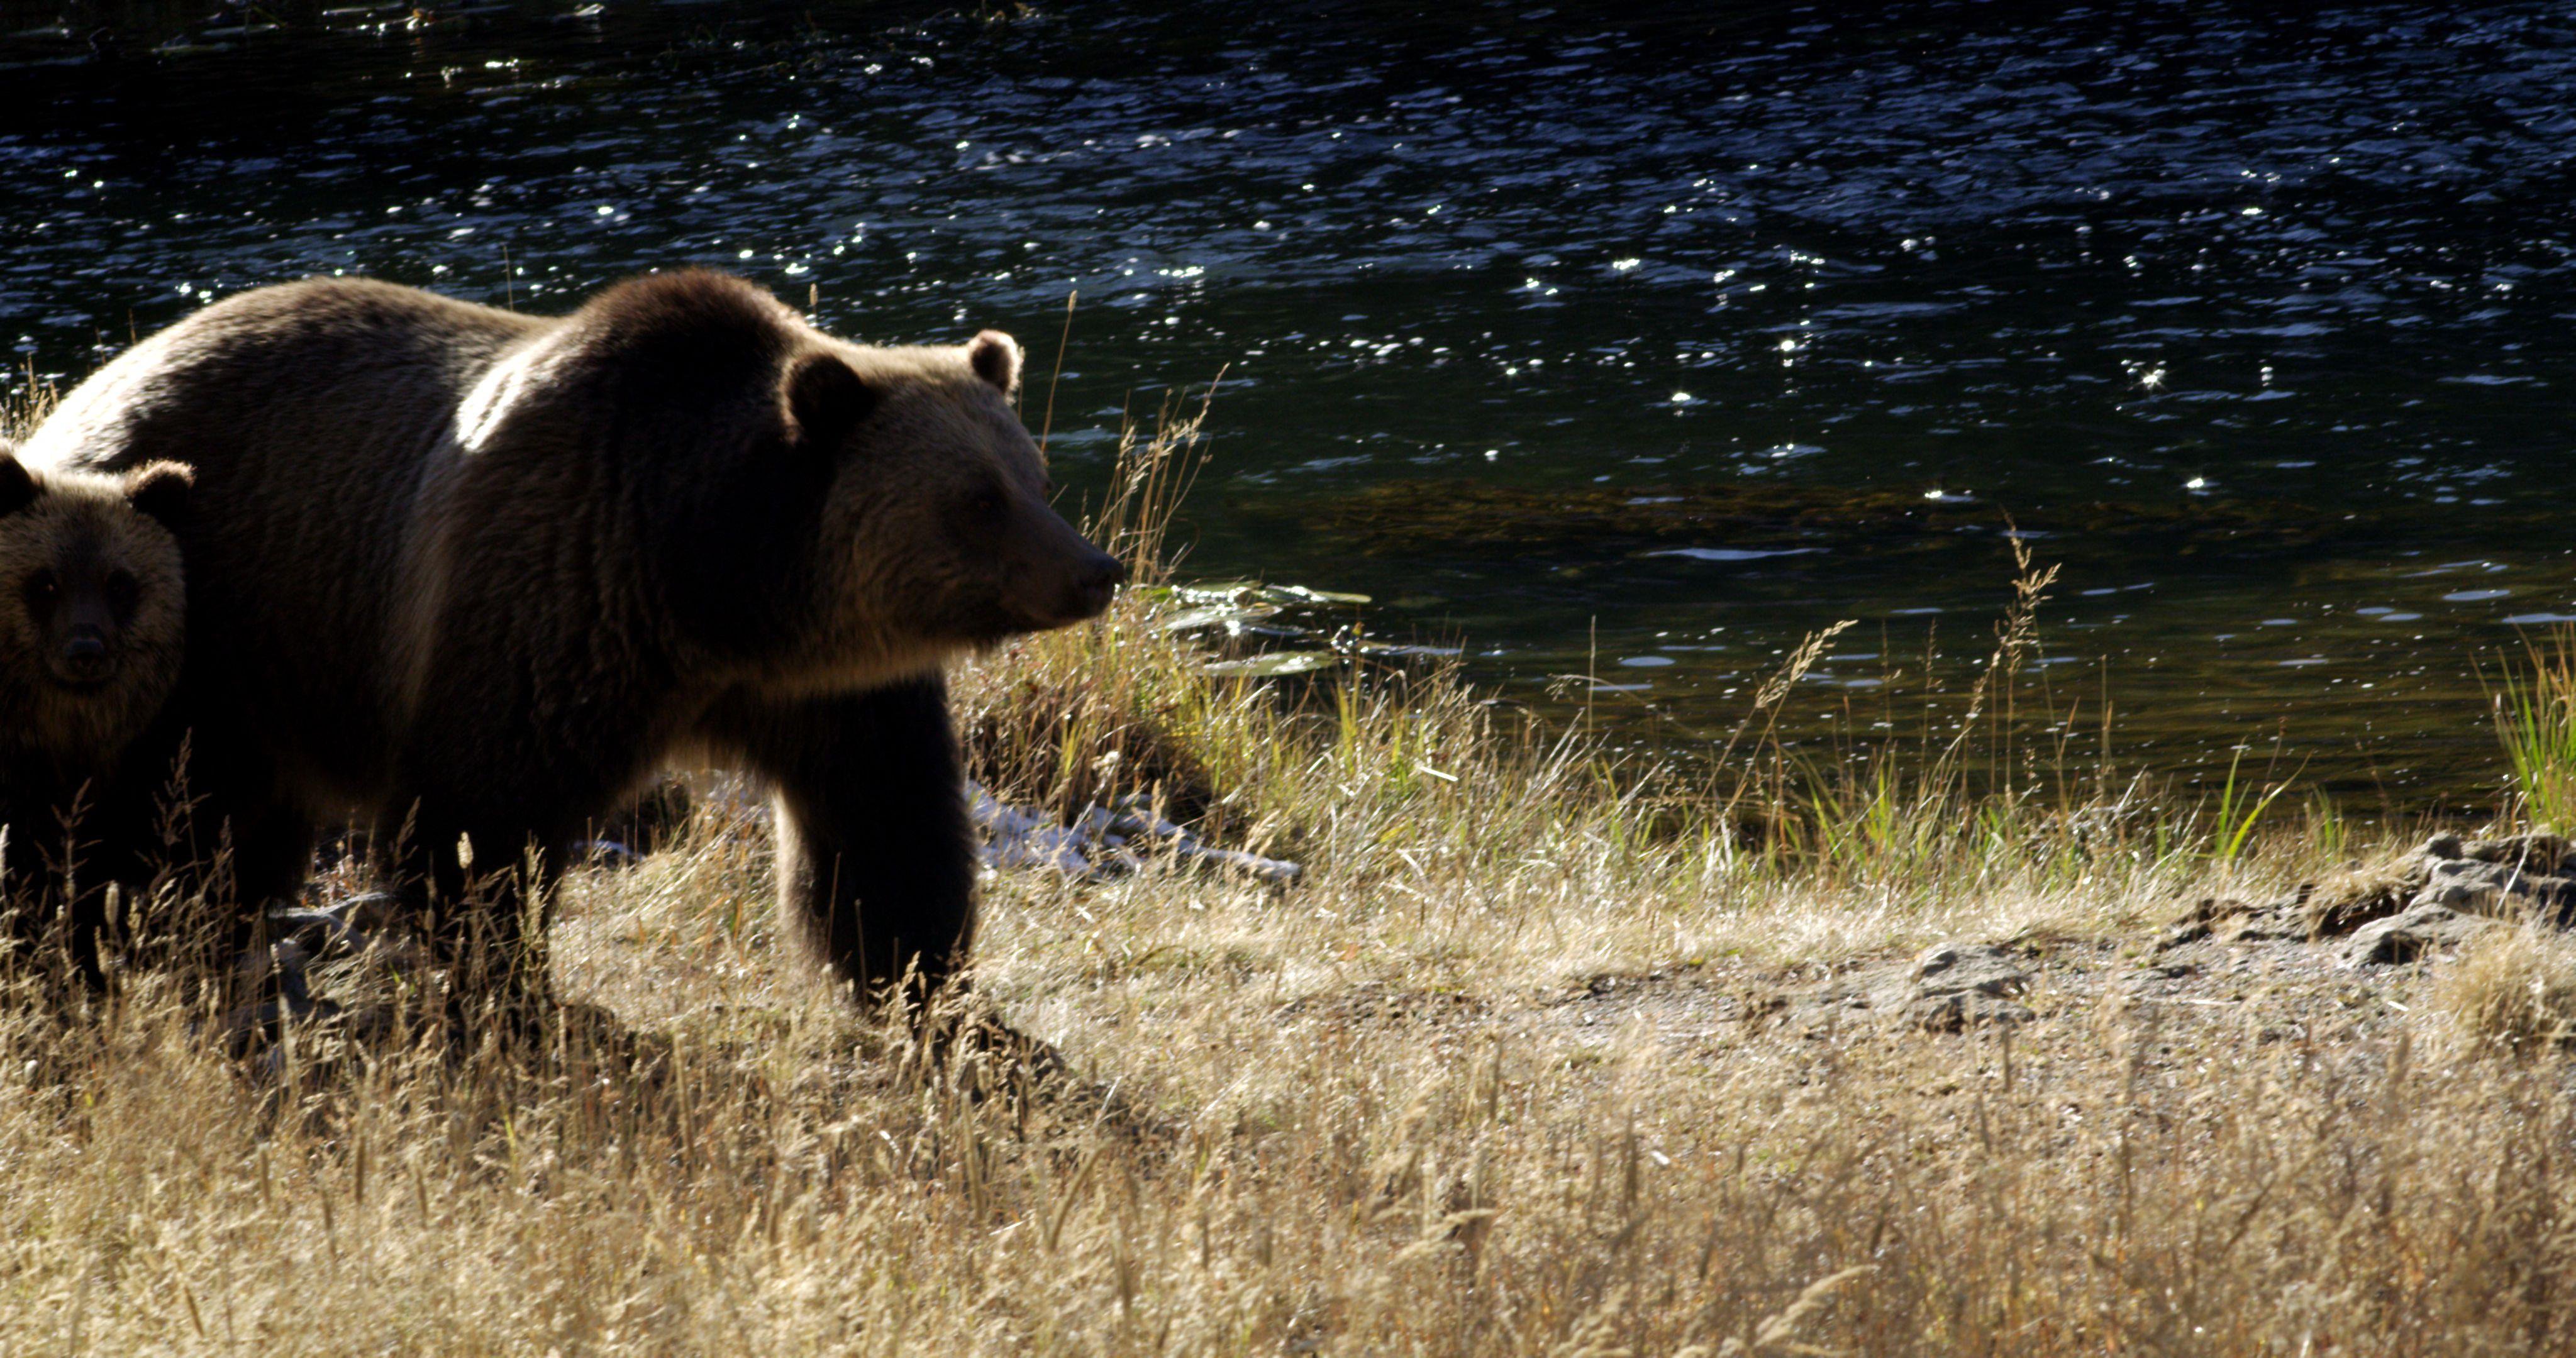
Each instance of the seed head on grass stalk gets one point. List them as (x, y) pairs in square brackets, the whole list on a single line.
[(22, 410)]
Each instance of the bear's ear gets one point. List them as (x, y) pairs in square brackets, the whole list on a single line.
[(995, 357), (825, 399), (18, 488), (160, 491)]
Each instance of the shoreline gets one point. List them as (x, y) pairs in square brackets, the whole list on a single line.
[(1544, 1049)]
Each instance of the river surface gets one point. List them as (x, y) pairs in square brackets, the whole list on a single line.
[(1632, 346)]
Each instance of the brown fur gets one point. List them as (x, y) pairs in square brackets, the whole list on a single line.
[(93, 605), (489, 571), (84, 538)]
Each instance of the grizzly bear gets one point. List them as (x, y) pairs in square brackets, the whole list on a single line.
[(93, 607), (473, 577)]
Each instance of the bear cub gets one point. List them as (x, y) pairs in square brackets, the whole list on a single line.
[(93, 608)]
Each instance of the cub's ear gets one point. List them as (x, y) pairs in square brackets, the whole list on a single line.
[(161, 491), (825, 400), (995, 357), (18, 488)]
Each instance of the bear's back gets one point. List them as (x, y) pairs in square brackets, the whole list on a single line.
[(312, 413)]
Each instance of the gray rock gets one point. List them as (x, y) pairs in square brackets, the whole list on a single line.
[(2515, 877), (1948, 988), (1103, 842), (1989, 967), (318, 933), (1014, 838), (317, 947), (2542, 854), (2502, 888), (1954, 986), (370, 912), (341, 930), (2406, 937), (1958, 1013), (2233, 921), (606, 853)]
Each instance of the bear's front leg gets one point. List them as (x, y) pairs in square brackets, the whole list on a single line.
[(876, 863), (481, 884), (202, 808)]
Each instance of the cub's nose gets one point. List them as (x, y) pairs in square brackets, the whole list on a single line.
[(84, 657)]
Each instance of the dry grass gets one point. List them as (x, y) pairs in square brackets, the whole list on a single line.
[(2512, 989), (1374, 1113), (24, 406)]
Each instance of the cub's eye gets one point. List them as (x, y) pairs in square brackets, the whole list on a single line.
[(123, 592), (1051, 488), (985, 503), (42, 587)]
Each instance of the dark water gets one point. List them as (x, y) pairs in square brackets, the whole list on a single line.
[(1641, 344)]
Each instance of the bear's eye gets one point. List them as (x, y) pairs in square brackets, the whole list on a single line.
[(985, 503), (41, 588), (123, 593)]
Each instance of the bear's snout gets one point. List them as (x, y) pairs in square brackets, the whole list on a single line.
[(83, 658), (1094, 581)]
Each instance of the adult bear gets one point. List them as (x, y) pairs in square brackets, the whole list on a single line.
[(478, 575)]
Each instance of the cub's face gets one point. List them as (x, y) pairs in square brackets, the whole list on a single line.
[(92, 601), (937, 534)]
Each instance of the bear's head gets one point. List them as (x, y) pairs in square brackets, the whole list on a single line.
[(93, 603), (935, 534), (825, 516)]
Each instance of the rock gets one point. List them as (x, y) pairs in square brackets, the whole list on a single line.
[(346, 929), (605, 853), (1954, 986), (371, 912), (1136, 820), (2507, 877), (1020, 839), (1947, 988), (2409, 936), (2233, 921), (1103, 842), (2503, 888), (2542, 853), (281, 965), (1958, 1013), (280, 976), (1981, 966), (1278, 871), (2346, 900)]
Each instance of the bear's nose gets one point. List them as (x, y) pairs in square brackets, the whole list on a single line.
[(1096, 579), (84, 656), (1104, 572)]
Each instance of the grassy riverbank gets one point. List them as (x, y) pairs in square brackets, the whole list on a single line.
[(1507, 1072)]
